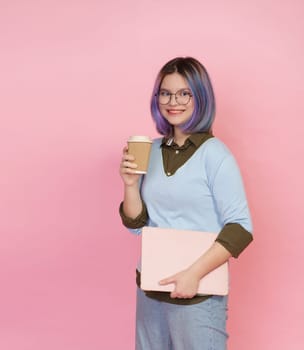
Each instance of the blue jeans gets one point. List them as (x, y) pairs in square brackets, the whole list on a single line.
[(164, 326)]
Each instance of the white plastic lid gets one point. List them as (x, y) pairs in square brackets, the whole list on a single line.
[(139, 139)]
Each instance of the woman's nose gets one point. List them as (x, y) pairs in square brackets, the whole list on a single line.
[(173, 100)]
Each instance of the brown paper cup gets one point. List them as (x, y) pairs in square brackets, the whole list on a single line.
[(140, 147)]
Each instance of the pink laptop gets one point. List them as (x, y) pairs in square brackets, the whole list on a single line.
[(168, 251)]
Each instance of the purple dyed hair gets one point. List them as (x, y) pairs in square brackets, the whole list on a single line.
[(200, 85)]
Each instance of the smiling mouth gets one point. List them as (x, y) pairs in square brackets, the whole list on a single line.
[(175, 111)]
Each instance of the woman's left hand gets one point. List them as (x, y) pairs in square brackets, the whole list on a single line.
[(186, 284)]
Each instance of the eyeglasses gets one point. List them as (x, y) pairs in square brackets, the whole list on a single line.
[(182, 97)]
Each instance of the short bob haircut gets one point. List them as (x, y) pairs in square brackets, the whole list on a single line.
[(200, 86)]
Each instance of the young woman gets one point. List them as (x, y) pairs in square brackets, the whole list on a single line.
[(193, 183)]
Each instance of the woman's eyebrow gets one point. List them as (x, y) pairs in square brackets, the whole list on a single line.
[(184, 88)]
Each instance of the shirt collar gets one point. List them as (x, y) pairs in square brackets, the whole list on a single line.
[(195, 139)]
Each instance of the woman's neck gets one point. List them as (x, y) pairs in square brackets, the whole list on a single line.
[(180, 137)]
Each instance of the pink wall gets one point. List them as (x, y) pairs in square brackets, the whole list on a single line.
[(75, 82)]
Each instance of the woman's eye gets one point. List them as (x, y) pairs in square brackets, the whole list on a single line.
[(164, 93), (185, 93)]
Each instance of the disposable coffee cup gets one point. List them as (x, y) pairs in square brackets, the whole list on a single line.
[(140, 148)]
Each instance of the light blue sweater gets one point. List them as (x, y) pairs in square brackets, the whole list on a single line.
[(204, 194)]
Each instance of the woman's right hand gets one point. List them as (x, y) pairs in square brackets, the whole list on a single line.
[(127, 168)]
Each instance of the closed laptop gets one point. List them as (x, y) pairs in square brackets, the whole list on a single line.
[(168, 251)]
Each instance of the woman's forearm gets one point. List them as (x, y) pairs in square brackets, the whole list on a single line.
[(132, 203), (187, 281), (210, 260)]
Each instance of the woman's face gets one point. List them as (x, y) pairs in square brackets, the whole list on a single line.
[(174, 112)]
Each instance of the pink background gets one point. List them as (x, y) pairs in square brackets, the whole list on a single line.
[(75, 82)]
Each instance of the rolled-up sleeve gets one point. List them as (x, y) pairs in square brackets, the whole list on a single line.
[(234, 238), (231, 204), (137, 222)]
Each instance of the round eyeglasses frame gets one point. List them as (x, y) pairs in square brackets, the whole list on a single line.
[(176, 95)]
